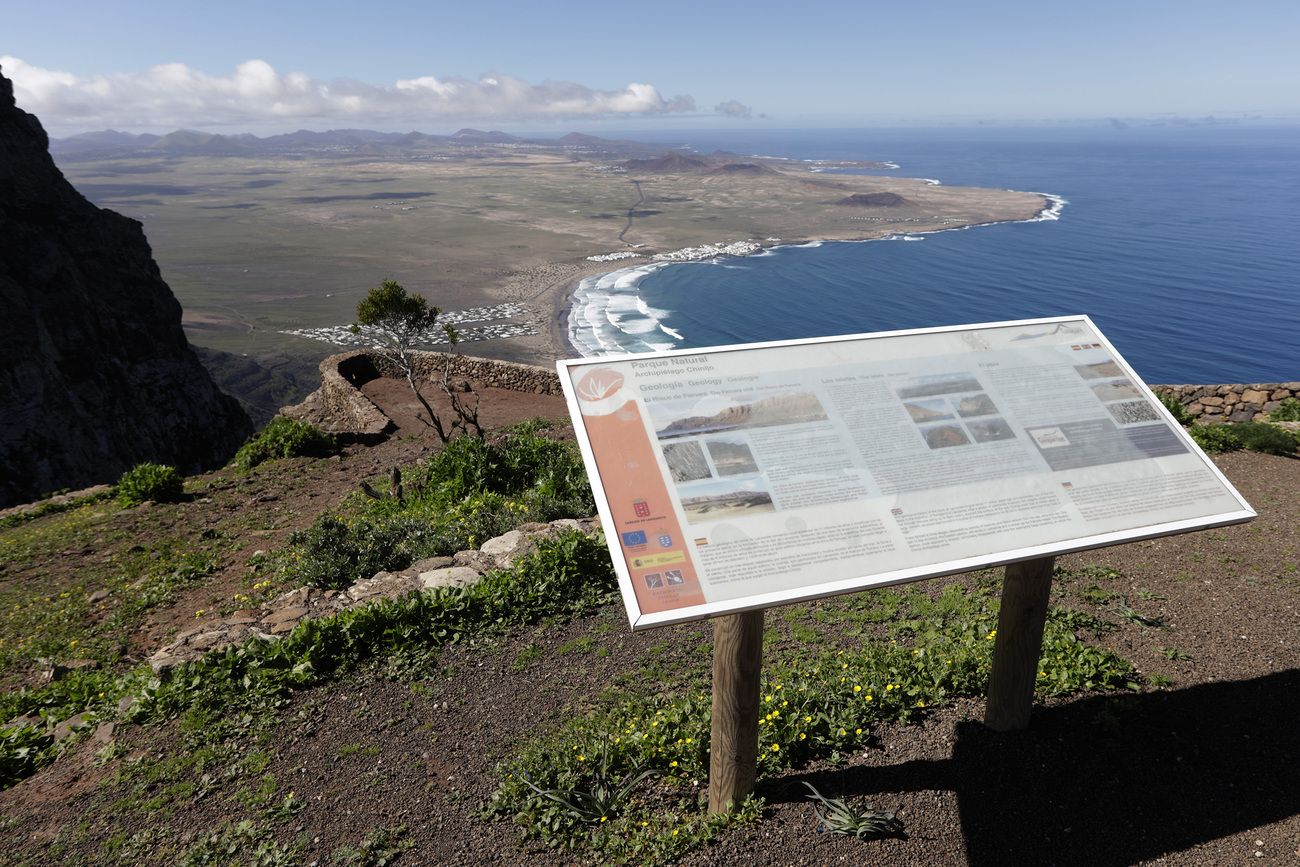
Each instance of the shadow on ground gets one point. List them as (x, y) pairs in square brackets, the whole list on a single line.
[(1111, 780)]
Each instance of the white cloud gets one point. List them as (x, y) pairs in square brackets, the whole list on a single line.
[(174, 95), (732, 108)]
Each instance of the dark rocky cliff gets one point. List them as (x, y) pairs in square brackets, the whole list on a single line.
[(95, 372)]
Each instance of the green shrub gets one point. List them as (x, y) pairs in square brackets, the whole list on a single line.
[(157, 482), (1263, 437), (469, 492), (518, 460), (1253, 435), (1176, 409), (1287, 410), (1215, 438), (283, 438), (22, 751)]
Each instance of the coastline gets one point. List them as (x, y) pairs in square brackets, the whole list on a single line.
[(578, 289)]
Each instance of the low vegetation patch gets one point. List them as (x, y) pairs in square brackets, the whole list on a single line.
[(1252, 435), (143, 482), (1255, 436), (1287, 410), (814, 707), (469, 492), (63, 625), (565, 575), (283, 438), (51, 506), (1176, 408)]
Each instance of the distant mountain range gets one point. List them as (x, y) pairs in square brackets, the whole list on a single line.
[(340, 142)]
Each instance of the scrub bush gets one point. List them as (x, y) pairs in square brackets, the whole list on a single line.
[(157, 482), (283, 438)]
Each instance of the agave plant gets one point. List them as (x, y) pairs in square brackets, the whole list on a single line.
[(602, 797), (839, 818)]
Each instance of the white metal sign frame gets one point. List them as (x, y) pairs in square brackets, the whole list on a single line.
[(570, 371)]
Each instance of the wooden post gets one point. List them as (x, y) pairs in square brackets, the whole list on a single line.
[(1025, 589), (733, 752)]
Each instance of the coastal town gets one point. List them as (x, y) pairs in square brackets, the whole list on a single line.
[(494, 318)]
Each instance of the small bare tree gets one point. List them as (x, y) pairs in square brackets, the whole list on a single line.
[(403, 320)]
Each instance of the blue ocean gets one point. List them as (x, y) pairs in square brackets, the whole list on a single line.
[(1181, 242)]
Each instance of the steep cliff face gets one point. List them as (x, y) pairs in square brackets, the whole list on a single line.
[(95, 372)]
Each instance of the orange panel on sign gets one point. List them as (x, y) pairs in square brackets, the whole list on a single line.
[(645, 523)]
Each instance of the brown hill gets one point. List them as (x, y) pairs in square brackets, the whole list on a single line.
[(741, 169), (671, 162), (874, 200)]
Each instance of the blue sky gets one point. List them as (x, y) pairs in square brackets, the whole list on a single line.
[(90, 65)]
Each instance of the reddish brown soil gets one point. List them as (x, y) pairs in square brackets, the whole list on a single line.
[(1203, 772)]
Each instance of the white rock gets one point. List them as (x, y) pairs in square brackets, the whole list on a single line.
[(504, 545), (450, 576)]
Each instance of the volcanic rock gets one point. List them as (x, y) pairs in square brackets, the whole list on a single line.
[(95, 372)]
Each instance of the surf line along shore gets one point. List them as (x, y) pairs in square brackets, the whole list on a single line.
[(603, 312), (788, 471)]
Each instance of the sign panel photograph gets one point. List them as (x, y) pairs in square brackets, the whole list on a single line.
[(741, 477)]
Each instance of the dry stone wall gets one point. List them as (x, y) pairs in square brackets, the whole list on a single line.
[(340, 408), (1236, 403), (478, 371)]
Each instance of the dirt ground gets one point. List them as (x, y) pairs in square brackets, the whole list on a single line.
[(1203, 771)]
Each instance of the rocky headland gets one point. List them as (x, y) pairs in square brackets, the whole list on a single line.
[(95, 372)]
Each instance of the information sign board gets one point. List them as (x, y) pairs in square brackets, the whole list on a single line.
[(742, 477)]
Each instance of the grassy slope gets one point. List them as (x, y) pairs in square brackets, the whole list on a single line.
[(380, 747)]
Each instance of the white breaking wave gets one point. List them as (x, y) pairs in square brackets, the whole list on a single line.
[(607, 315), (1053, 210)]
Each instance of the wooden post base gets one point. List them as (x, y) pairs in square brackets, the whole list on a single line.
[(733, 752), (1025, 590)]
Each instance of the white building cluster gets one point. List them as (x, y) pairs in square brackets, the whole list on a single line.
[(493, 328), (710, 251)]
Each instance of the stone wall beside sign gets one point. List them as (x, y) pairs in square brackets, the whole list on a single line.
[(1223, 403)]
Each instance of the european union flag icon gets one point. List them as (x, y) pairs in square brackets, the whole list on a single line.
[(635, 538)]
